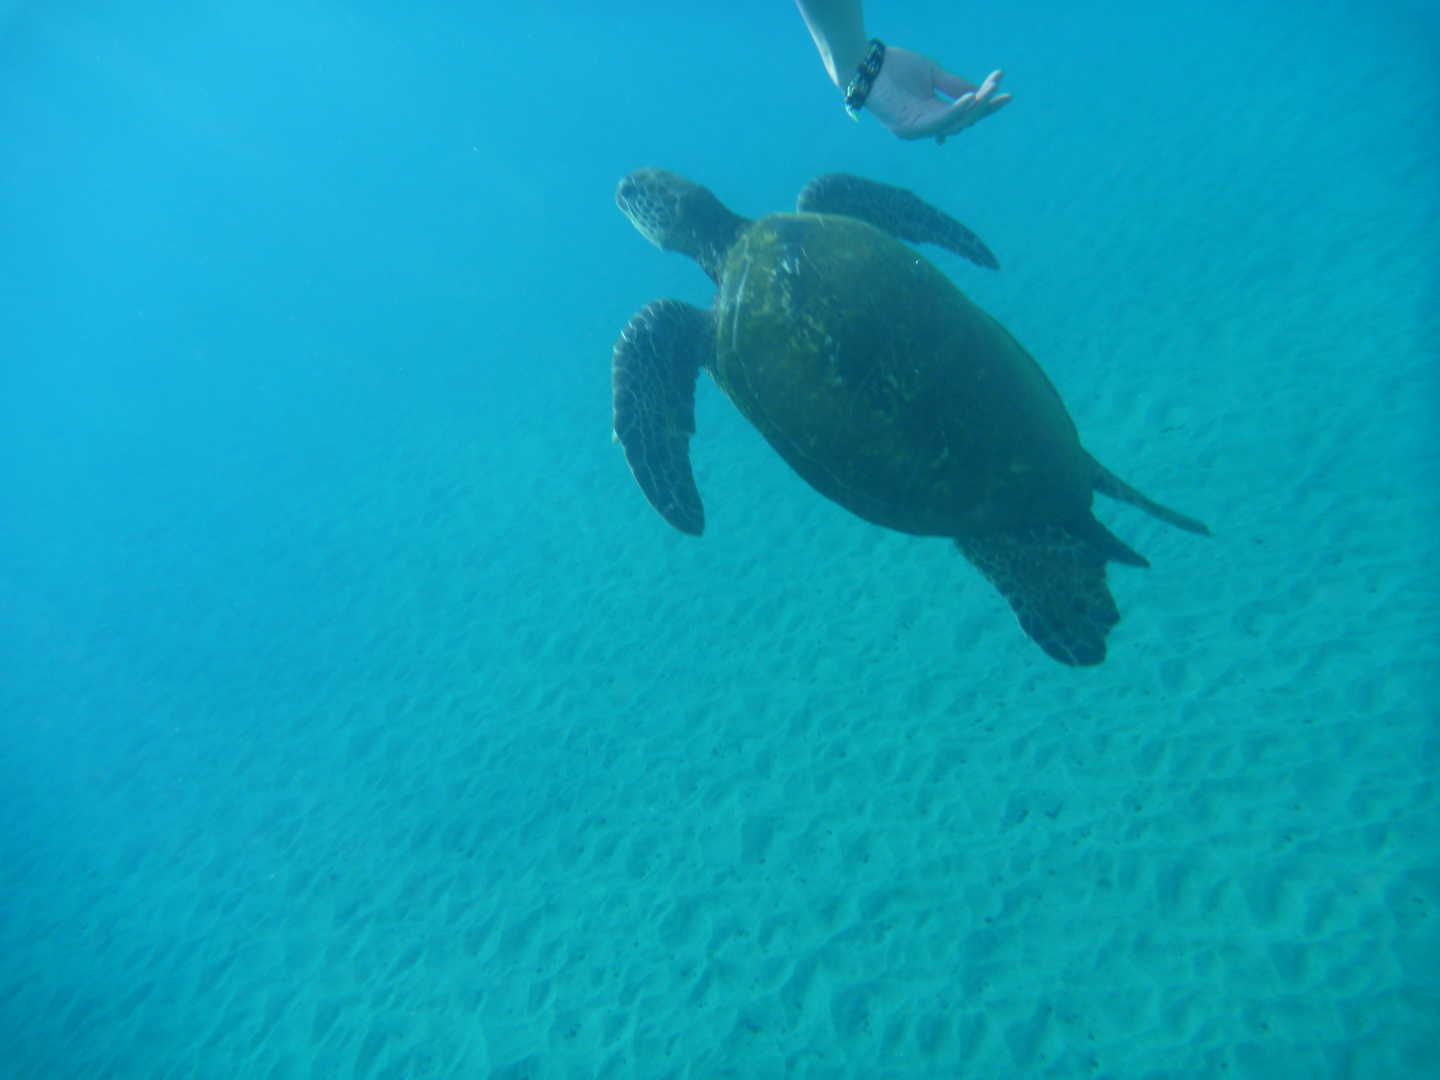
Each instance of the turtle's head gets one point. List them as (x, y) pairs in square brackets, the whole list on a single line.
[(677, 214), (655, 201)]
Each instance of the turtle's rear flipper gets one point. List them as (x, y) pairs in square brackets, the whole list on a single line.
[(1107, 483), (900, 213), (653, 376), (1054, 580)]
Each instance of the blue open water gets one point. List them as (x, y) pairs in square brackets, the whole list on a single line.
[(358, 718)]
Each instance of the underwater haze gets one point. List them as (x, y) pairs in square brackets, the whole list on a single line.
[(359, 718)]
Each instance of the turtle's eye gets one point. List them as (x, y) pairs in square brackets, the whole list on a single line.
[(637, 202)]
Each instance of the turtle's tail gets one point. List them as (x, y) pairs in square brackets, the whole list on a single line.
[(1107, 483)]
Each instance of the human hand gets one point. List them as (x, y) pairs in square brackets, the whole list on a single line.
[(904, 97)]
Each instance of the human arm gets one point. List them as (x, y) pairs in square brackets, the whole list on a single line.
[(838, 27), (904, 96)]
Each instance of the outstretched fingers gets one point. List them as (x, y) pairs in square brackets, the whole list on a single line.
[(953, 86), (971, 105)]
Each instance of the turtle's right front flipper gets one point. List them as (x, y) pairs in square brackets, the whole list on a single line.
[(657, 360), (894, 210)]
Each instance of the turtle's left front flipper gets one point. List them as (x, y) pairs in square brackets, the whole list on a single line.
[(894, 210), (1054, 580), (657, 360)]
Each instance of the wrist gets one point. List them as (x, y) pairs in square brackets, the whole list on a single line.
[(867, 71)]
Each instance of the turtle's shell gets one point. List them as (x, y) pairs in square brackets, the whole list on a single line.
[(883, 386)]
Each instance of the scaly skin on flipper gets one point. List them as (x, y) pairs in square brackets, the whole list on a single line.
[(657, 359), (1055, 583), (894, 210)]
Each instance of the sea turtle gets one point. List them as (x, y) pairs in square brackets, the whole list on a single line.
[(880, 383)]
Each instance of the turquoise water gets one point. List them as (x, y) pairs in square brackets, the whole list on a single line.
[(358, 718)]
